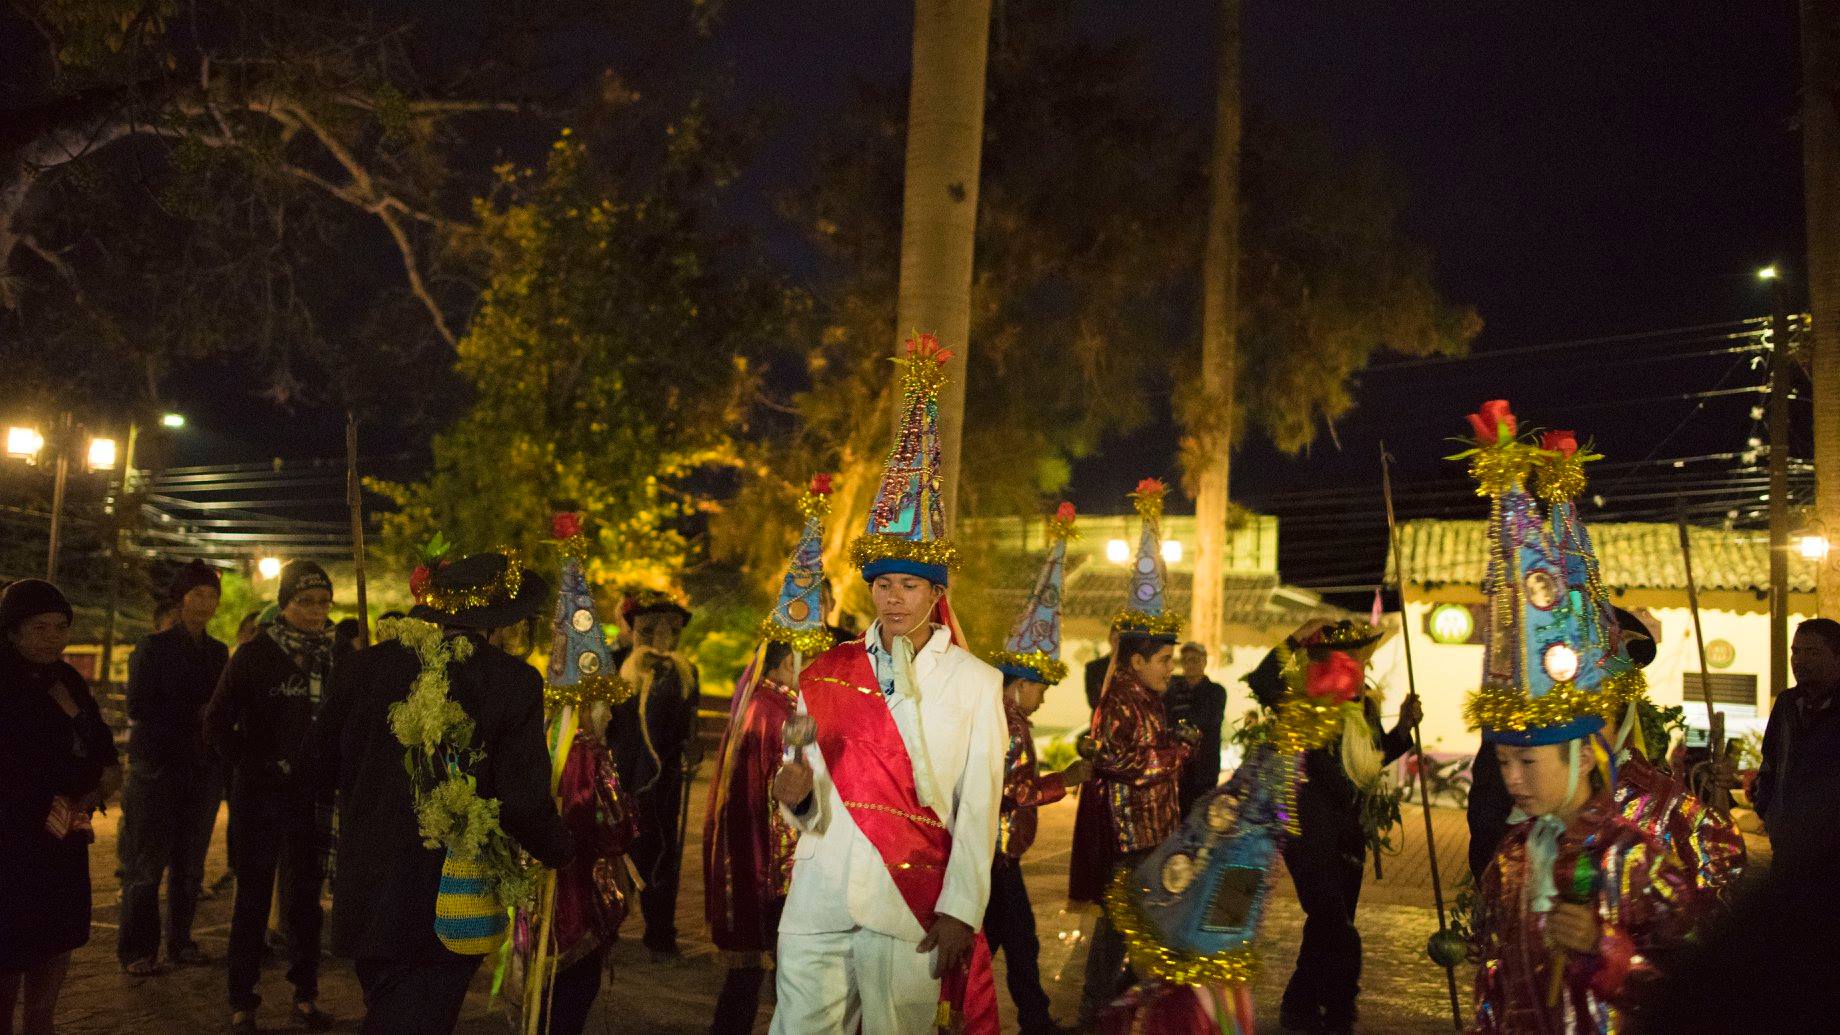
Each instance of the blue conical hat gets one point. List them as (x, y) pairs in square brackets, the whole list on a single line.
[(580, 664), (798, 616), (1033, 650), (907, 526), (1549, 662), (1143, 613)]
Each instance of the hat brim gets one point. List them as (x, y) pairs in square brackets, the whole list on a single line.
[(526, 604), (1583, 726), (934, 573)]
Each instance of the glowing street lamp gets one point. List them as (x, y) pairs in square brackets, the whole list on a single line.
[(269, 567), (172, 421), (1172, 551), (1812, 547), (24, 443), (102, 454), (1767, 273), (1118, 551)]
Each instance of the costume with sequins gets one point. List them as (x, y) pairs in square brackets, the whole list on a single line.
[(747, 843), (1708, 847), (1025, 787), (1130, 805)]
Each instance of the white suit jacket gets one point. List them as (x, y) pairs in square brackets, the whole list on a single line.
[(839, 880)]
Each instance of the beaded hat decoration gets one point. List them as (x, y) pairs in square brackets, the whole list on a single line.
[(1190, 912), (1143, 614), (906, 533), (1033, 650), (798, 615), (1551, 664), (581, 668)]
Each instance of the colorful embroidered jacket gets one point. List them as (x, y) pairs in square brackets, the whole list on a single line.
[(1025, 787), (1707, 846), (1645, 900), (1133, 800), (747, 843)]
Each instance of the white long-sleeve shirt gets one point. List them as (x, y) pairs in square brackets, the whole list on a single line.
[(839, 880)]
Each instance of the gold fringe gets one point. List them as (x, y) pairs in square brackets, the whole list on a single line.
[(1052, 670), (1150, 958)]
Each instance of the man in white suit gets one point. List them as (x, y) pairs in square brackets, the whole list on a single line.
[(889, 892)]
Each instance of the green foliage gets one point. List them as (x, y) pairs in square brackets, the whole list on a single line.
[(239, 598), (1058, 753), (1659, 725)]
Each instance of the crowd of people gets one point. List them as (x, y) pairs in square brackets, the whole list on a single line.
[(873, 796)]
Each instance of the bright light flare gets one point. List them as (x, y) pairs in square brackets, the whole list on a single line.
[(1812, 547), (1172, 551), (269, 567), (175, 421), (1118, 551), (23, 443), (102, 454)]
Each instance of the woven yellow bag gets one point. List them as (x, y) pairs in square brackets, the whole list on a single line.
[(467, 915)]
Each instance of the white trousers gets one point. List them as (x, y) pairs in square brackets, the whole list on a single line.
[(827, 983)]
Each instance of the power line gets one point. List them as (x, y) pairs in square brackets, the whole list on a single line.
[(1730, 329)]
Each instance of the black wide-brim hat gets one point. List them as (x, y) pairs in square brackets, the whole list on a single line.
[(482, 591), (1638, 643)]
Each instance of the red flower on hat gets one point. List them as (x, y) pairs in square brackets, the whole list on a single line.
[(1562, 442), (1151, 487), (1064, 512), (821, 485), (566, 525), (419, 580), (1494, 420), (1337, 676), (926, 346)]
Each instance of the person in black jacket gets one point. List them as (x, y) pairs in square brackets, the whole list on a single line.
[(259, 719), (1200, 702), (1096, 670), (1327, 860), (174, 783), (1797, 791), (655, 750), (57, 765), (384, 892)]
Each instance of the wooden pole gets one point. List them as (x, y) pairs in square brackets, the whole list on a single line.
[(1418, 747), (1715, 794), (354, 497), (1779, 487)]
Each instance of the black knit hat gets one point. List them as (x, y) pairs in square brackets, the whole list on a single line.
[(190, 577), (298, 577), (29, 598)]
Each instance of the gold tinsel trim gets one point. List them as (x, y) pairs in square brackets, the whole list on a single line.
[(1498, 469), (1508, 708), (1062, 530), (1130, 620), (922, 376), (814, 506), (1355, 631), (879, 546), (1148, 499), (498, 591), (808, 643), (603, 687), (1559, 478), (1151, 958), (1052, 670)]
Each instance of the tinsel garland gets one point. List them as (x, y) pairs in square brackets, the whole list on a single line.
[(1152, 959), (880, 546), (1148, 499), (1130, 620), (1559, 477), (601, 688), (1050, 670), (1304, 722), (465, 598), (1508, 708), (808, 642), (1061, 525), (1350, 633), (923, 372)]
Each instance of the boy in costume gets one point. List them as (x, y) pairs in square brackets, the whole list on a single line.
[(1131, 804), (747, 842), (1580, 901), (897, 799), (1031, 663)]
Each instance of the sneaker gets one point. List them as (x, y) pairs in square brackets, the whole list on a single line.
[(308, 1015), (149, 967)]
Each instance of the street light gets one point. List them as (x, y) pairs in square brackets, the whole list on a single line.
[(269, 567), (1172, 551), (1767, 273), (1812, 547), (24, 444), (174, 421), (102, 454)]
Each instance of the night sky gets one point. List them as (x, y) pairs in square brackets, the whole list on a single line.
[(1578, 170)]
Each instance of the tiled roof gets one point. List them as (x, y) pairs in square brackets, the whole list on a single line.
[(1631, 555), (1097, 590)]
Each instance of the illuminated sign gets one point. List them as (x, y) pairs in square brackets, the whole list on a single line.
[(1720, 653), (1451, 623)]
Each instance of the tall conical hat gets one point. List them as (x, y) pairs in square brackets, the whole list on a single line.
[(580, 664), (907, 526), (1143, 613), (1033, 650), (798, 616), (1551, 667)]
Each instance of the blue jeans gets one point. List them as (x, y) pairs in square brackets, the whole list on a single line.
[(167, 814)]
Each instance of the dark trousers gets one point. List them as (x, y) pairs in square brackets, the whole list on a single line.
[(573, 994), (1106, 974), (414, 997), (739, 1003), (167, 813), (659, 857), (1327, 875), (1009, 927), (271, 827)]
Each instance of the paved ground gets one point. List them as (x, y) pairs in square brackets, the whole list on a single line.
[(1403, 992)]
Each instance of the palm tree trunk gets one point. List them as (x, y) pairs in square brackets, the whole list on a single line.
[(1821, 177), (1211, 418), (945, 137)]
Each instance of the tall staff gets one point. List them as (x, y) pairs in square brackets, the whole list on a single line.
[(1714, 792), (1424, 792)]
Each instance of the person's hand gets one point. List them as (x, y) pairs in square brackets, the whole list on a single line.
[(1573, 927), (1188, 734), (1076, 773), (792, 784), (1411, 712), (111, 783), (952, 937)]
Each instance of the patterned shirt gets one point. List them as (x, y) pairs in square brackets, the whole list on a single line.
[(1138, 766), (1025, 787)]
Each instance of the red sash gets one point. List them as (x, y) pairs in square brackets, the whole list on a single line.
[(874, 775)]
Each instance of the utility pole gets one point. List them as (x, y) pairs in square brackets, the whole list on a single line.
[(66, 438), (1779, 483), (122, 488)]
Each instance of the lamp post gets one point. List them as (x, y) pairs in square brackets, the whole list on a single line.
[(1779, 482), (26, 443)]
